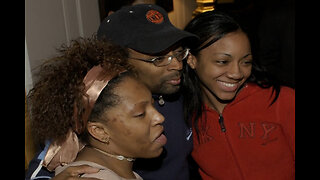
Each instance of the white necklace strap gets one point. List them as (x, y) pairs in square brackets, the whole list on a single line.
[(119, 157)]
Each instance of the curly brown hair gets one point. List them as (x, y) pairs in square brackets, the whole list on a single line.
[(52, 99)]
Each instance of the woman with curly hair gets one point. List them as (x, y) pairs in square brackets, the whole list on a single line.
[(243, 121), (90, 106)]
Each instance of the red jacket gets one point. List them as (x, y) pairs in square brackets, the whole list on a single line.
[(258, 143)]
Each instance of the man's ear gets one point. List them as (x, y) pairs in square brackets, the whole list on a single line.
[(98, 131), (192, 61)]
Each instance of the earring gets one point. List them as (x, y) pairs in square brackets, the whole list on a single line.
[(106, 139)]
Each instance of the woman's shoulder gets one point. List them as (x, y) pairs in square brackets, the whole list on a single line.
[(104, 173), (287, 90), (61, 168), (283, 89), (285, 93)]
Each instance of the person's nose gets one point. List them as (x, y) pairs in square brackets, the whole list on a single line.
[(157, 118), (175, 64), (235, 72)]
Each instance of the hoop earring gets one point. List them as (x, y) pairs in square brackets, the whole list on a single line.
[(106, 139)]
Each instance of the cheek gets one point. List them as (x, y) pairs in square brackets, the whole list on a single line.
[(119, 130), (125, 130), (142, 134), (249, 72), (133, 139), (148, 73), (150, 79), (139, 142), (119, 127), (208, 72), (246, 72), (136, 133)]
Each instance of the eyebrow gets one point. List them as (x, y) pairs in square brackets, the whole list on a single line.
[(142, 103), (178, 49), (229, 55), (222, 54), (247, 55), (138, 105)]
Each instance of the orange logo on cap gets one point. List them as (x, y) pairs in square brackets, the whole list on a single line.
[(154, 16)]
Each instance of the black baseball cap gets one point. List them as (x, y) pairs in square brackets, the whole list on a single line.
[(145, 28)]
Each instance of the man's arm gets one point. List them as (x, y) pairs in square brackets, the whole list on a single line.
[(74, 172), (38, 172)]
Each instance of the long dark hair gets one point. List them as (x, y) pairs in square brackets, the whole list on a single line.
[(211, 26)]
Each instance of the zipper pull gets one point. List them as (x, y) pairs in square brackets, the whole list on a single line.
[(223, 128), (161, 101)]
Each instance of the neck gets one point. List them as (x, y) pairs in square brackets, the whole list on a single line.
[(119, 157), (211, 100), (121, 167)]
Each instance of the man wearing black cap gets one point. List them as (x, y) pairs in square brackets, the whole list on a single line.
[(155, 51)]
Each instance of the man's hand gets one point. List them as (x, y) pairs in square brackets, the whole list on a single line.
[(74, 172)]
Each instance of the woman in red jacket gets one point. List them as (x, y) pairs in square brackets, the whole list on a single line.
[(243, 122)]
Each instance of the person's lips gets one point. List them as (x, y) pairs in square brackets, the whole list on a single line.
[(227, 86), (162, 139), (174, 81)]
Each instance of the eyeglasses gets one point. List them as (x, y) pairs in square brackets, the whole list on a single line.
[(166, 60)]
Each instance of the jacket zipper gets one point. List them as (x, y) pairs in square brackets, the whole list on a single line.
[(234, 156), (223, 129), (221, 122)]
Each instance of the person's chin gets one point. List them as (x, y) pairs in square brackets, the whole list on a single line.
[(170, 89), (226, 97)]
